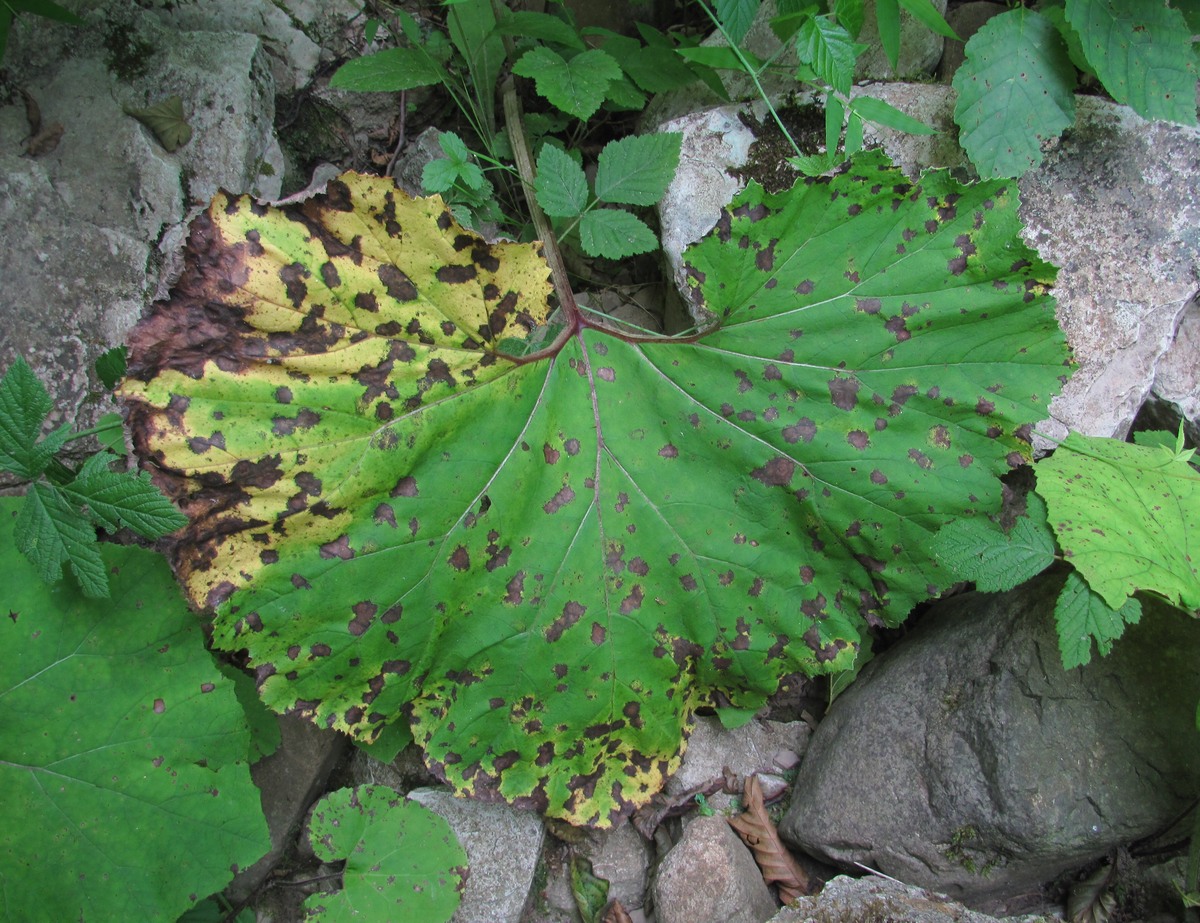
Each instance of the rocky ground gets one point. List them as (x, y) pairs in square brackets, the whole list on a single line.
[(963, 762)]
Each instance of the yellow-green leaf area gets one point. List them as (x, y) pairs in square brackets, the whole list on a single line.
[(545, 564), (1125, 517)]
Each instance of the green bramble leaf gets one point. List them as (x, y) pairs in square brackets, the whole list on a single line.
[(542, 27), (1081, 616), (1015, 91), (1142, 53), (544, 562), (979, 551), (403, 862), (720, 58), (828, 49), (736, 16), (561, 186), (615, 234), (637, 169), (887, 20), (119, 498), (1124, 516), (881, 113), (123, 747), (850, 14), (24, 406), (577, 86), (110, 366), (51, 532), (388, 71)]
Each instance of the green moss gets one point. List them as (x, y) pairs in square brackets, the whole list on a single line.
[(128, 53), (962, 853)]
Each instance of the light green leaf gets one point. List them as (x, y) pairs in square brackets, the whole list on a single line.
[(546, 562), (263, 724), (24, 404), (578, 86), (50, 533), (656, 69), (1057, 14), (1142, 53), (439, 176), (720, 58), (403, 862), (1015, 91), (1125, 516), (637, 169), (1082, 616), (850, 13), (111, 433), (166, 121), (828, 49), (560, 184), (816, 164), (121, 742), (734, 718), (542, 27), (876, 110), (615, 234), (388, 71), (118, 498), (387, 746), (927, 14), (835, 115), (623, 95), (589, 890), (981, 552), (736, 16)]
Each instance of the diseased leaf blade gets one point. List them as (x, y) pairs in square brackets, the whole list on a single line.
[(1142, 53), (1015, 91), (121, 743), (403, 862), (567, 554), (1142, 540), (980, 551)]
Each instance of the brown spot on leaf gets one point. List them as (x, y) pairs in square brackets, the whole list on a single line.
[(920, 458), (598, 633), (843, 392), (405, 487), (564, 496), (571, 614), (364, 612), (802, 430), (456, 275), (460, 559), (668, 451), (858, 438), (775, 473), (338, 548)]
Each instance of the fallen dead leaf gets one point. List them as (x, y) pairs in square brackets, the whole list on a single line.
[(616, 913), (778, 865), (45, 140)]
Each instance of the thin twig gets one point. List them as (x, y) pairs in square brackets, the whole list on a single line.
[(400, 140)]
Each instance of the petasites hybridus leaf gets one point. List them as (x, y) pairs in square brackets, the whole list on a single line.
[(120, 784), (403, 862), (546, 564), (1125, 516)]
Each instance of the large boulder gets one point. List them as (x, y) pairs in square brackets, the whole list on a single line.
[(967, 760)]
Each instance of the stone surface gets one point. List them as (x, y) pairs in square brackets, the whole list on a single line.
[(709, 876), (864, 900), (502, 847), (1177, 376), (967, 760), (84, 220), (757, 747), (622, 857), (290, 780)]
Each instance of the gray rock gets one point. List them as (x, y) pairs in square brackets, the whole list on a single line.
[(920, 49), (709, 876), (502, 847), (622, 857), (84, 220), (968, 761), (756, 747), (858, 900), (290, 780), (1177, 376)]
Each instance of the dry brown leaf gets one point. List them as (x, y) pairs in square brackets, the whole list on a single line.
[(33, 113), (778, 865), (616, 913), (45, 140)]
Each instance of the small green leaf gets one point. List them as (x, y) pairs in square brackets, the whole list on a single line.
[(577, 86), (835, 115), (850, 13), (876, 110), (828, 49), (1125, 516), (979, 551), (51, 533), (560, 185), (403, 862), (110, 366), (387, 746), (388, 71), (167, 122), (542, 27), (623, 95), (1015, 90), (816, 164), (24, 404), (1081, 616), (736, 16), (615, 234), (720, 58), (589, 890), (120, 498), (1142, 53), (110, 433), (926, 13), (733, 718), (265, 736), (438, 176), (1058, 15), (656, 69), (637, 169)]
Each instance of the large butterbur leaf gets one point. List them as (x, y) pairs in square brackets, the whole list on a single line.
[(545, 564)]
